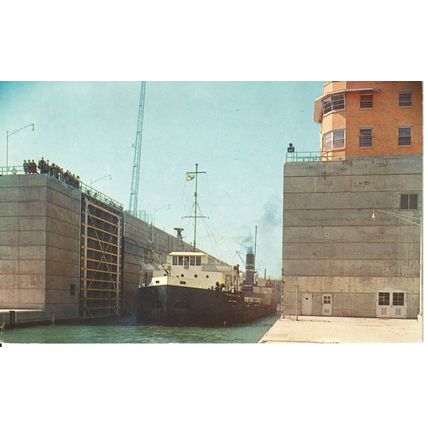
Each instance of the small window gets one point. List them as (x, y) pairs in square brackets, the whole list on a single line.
[(327, 300), (408, 201), (183, 282), (72, 289), (174, 260), (198, 260), (366, 101), (208, 276), (366, 137), (405, 99), (398, 299), (383, 299), (334, 140), (404, 136), (182, 275), (180, 260), (192, 260)]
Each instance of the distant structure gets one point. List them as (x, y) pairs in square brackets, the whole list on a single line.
[(135, 183), (352, 217)]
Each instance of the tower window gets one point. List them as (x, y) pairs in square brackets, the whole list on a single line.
[(334, 102), (333, 140), (366, 137), (404, 136), (408, 201), (405, 99), (366, 100)]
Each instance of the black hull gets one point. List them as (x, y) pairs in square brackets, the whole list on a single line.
[(175, 306)]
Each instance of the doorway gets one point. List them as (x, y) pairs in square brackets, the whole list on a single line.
[(391, 304), (307, 304), (327, 305)]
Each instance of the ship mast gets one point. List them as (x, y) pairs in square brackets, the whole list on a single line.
[(190, 175)]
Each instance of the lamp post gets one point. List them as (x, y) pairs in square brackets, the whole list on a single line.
[(416, 221), (9, 134), (158, 209)]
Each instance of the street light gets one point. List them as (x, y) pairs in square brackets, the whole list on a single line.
[(9, 134), (416, 221), (101, 178), (158, 209)]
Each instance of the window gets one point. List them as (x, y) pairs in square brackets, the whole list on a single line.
[(405, 99), (198, 260), (404, 136), (327, 300), (366, 100), (408, 201), (366, 137), (398, 299), (334, 102), (174, 260), (192, 260), (72, 289), (180, 260), (383, 299), (333, 140)]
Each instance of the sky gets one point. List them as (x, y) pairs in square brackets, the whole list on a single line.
[(236, 131)]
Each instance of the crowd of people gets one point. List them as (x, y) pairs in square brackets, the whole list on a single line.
[(53, 170)]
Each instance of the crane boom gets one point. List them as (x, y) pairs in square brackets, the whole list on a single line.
[(133, 200)]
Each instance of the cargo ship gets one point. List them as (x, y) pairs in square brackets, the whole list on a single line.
[(195, 289)]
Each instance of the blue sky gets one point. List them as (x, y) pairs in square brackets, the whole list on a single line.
[(236, 131)]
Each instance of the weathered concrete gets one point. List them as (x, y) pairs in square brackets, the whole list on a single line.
[(332, 245), (344, 330), (39, 246)]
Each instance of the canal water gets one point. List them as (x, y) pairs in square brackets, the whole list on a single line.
[(248, 333)]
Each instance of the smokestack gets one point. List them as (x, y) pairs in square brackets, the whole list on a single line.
[(250, 267)]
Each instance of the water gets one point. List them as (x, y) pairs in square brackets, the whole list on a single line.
[(248, 333)]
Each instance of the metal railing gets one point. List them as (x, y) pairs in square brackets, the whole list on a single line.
[(11, 170), (89, 190), (309, 156)]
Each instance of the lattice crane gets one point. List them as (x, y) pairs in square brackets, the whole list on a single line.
[(133, 199)]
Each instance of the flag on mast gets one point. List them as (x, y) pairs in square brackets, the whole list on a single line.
[(189, 176)]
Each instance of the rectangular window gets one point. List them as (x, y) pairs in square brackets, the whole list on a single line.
[(192, 260), (404, 136), (366, 137), (383, 299), (198, 260), (366, 100), (408, 201), (398, 299), (334, 102), (180, 260), (405, 99), (174, 260), (333, 140)]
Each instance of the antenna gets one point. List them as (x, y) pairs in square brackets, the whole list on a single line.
[(135, 183), (190, 175)]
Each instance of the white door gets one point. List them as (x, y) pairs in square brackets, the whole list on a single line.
[(327, 305), (391, 304), (306, 304)]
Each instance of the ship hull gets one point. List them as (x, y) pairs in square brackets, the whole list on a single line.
[(175, 306)]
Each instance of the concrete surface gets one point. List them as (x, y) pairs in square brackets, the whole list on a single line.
[(344, 330)]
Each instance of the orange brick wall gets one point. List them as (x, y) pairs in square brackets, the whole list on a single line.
[(384, 118)]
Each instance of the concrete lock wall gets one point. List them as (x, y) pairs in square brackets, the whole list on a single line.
[(331, 244), (39, 247)]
